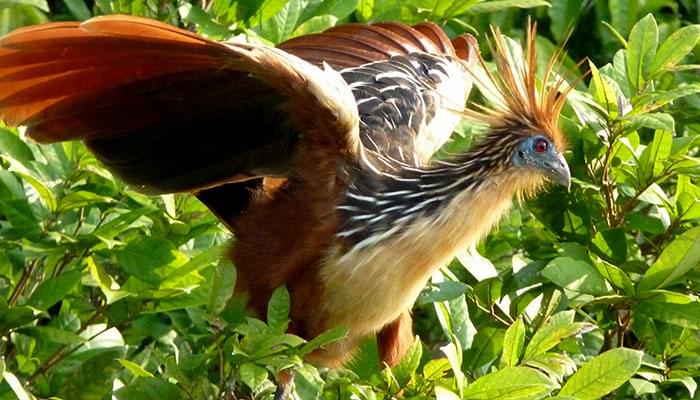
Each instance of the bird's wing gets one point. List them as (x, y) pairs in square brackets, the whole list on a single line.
[(410, 83), (168, 110)]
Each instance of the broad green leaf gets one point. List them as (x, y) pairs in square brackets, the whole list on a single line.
[(446, 290), (267, 10), (554, 331), (315, 24), (54, 290), (278, 309), (146, 388), (81, 198), (576, 275), (600, 87), (323, 339), (563, 14), (603, 374), (671, 308), (662, 121), (510, 383), (206, 25), (556, 365), (436, 369), (623, 13), (675, 47), (486, 348), (143, 256), (677, 259), (616, 276), (21, 217), (13, 146), (78, 9), (494, 6), (253, 375), (134, 368), (44, 192), (406, 368), (641, 49), (611, 244), (50, 334), (308, 383), (222, 284), (651, 161), (513, 343), (337, 8)]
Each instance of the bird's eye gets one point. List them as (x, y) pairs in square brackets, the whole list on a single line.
[(541, 145)]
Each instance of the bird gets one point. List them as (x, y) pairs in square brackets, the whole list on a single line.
[(318, 154)]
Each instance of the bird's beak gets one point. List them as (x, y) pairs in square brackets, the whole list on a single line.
[(558, 170)]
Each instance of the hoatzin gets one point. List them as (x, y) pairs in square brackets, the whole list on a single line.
[(317, 153)]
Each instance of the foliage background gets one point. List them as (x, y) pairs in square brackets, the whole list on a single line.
[(107, 293)]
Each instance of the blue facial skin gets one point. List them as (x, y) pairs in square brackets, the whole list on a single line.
[(547, 160)]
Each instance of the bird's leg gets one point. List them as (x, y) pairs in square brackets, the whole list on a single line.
[(285, 382), (394, 339)]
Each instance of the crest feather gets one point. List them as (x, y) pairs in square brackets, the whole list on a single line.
[(518, 98)]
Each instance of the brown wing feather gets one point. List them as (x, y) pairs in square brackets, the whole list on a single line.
[(169, 110), (164, 108)]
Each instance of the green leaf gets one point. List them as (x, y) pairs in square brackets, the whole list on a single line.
[(206, 25), (222, 284), (52, 335), (44, 192), (616, 276), (14, 147), (443, 291), (337, 8), (662, 121), (78, 9), (563, 14), (576, 275), (323, 339), (611, 244), (623, 13), (510, 383), (641, 49), (145, 388), (53, 290), (651, 161), (488, 7), (142, 256), (134, 368), (20, 215), (554, 331), (603, 374), (674, 48), (671, 308), (677, 259), (513, 343), (315, 24), (404, 370), (278, 309), (253, 375), (81, 198)]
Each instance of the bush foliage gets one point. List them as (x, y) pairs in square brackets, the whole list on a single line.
[(105, 292)]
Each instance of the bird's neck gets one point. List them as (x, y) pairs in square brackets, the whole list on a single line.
[(382, 205)]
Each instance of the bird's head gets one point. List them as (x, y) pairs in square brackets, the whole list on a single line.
[(539, 154), (523, 112)]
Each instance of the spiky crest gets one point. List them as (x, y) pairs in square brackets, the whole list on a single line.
[(518, 99)]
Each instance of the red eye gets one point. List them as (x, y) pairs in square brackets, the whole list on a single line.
[(541, 145)]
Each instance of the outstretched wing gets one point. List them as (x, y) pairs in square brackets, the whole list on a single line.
[(169, 111), (165, 109)]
